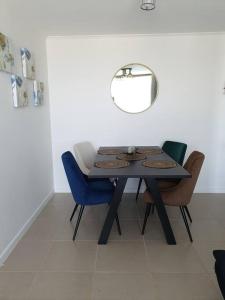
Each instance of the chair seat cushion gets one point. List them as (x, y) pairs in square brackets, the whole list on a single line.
[(97, 196), (180, 194), (167, 184), (166, 197), (100, 184)]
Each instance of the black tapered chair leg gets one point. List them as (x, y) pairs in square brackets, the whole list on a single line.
[(147, 213), (138, 190), (78, 221), (186, 222), (75, 208), (115, 181), (188, 213), (118, 224)]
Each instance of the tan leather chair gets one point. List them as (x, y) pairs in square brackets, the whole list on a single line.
[(179, 195)]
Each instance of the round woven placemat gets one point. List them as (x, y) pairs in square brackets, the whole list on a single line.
[(109, 151), (149, 151), (112, 164), (130, 157), (159, 164)]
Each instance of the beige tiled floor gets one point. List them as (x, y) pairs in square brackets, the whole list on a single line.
[(47, 265)]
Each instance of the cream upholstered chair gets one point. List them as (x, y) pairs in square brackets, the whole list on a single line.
[(180, 195), (85, 155)]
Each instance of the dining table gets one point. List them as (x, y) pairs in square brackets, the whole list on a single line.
[(136, 169)]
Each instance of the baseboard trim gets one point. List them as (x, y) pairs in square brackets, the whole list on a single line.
[(198, 190), (12, 244), (211, 190)]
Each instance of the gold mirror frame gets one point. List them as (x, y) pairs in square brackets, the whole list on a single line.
[(128, 67)]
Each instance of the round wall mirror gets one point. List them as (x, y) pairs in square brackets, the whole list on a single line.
[(134, 88)]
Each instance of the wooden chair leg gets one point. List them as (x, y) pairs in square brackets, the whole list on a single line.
[(138, 190), (188, 213), (75, 208), (78, 221), (186, 222), (118, 224), (147, 213)]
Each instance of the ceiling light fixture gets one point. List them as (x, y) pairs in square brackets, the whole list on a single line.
[(148, 4)]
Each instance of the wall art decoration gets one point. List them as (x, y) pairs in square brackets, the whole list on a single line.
[(19, 90), (38, 92), (27, 63), (6, 54)]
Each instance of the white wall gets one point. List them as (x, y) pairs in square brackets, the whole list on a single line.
[(189, 108), (25, 152)]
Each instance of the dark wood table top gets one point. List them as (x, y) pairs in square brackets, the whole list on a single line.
[(136, 169)]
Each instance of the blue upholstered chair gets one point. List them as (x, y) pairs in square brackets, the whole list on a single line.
[(86, 192)]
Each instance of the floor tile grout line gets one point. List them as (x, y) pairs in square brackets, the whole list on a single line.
[(148, 259), (209, 274), (32, 283), (95, 268), (50, 271), (106, 272), (145, 248), (144, 241)]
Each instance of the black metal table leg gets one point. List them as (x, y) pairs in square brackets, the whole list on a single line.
[(152, 185), (103, 239)]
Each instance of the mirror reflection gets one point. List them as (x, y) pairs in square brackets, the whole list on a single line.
[(134, 88)]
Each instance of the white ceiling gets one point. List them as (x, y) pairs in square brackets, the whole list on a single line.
[(57, 17)]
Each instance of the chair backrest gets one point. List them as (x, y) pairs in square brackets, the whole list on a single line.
[(176, 150), (185, 188), (77, 182), (85, 156)]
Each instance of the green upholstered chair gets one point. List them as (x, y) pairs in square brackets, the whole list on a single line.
[(177, 151)]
